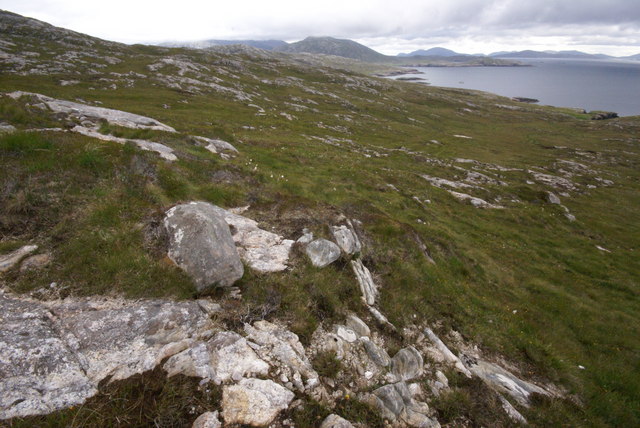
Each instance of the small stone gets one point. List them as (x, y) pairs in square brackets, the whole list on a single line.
[(552, 198), (378, 355), (358, 326), (7, 261), (207, 420), (346, 334), (407, 364), (306, 237), (335, 421)]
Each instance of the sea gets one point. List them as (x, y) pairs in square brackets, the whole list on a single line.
[(578, 83)]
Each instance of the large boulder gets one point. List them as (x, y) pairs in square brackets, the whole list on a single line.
[(322, 252), (254, 402), (200, 243)]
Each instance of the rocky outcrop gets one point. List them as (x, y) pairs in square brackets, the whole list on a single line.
[(82, 112), (445, 353), (282, 349), (218, 146), (503, 381), (604, 115), (164, 151), (262, 250), (368, 288), (54, 354), (322, 252), (7, 261), (200, 243), (254, 402), (396, 403), (226, 357)]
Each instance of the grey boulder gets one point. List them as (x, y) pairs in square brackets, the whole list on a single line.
[(200, 243), (407, 363), (347, 239), (322, 252)]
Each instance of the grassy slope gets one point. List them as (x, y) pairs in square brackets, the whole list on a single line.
[(93, 204)]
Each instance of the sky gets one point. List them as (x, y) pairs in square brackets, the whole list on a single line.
[(388, 26)]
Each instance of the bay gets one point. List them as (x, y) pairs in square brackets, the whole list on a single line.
[(587, 84)]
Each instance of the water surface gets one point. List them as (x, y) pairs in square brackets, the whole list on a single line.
[(587, 84)]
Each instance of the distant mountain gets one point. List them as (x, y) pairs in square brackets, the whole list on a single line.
[(431, 52), (549, 54), (201, 44), (633, 57), (338, 47)]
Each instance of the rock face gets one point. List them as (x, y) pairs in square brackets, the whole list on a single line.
[(254, 402), (262, 250), (322, 252), (7, 261), (201, 244), (54, 354)]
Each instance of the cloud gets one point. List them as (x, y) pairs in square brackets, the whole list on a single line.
[(473, 22)]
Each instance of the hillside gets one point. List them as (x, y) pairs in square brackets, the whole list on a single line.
[(331, 46), (398, 254), (430, 52)]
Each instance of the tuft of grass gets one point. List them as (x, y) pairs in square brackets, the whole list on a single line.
[(357, 411), (327, 364), (310, 414)]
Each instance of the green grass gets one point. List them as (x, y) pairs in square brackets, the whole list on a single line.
[(92, 205)]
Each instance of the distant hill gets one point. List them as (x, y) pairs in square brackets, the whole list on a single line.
[(548, 54), (431, 52), (201, 44), (634, 57), (338, 47)]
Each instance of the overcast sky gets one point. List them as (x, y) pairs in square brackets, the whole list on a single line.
[(389, 26)]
